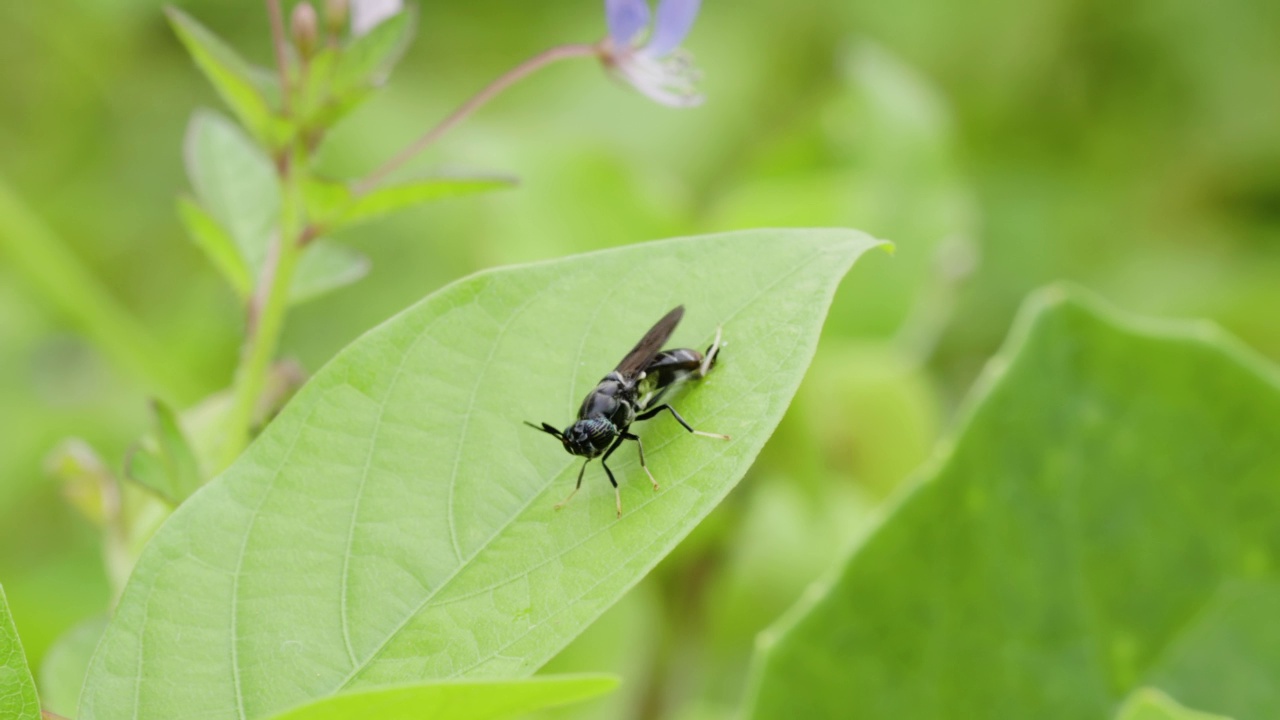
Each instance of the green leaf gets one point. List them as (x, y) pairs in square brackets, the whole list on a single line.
[(180, 462), (368, 59), (332, 205), (1151, 704), (326, 266), (86, 482), (231, 76), (217, 243), (164, 461), (312, 95), (64, 666), (395, 523), (340, 81), (491, 700), (18, 699), (1105, 521), (234, 182), (144, 466)]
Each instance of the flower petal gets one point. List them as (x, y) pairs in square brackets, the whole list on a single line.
[(671, 81), (626, 18), (366, 14), (675, 18)]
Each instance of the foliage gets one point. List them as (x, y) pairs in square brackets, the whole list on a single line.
[(17, 688), (1103, 522), (1149, 704), (477, 700), (408, 514), (1127, 148)]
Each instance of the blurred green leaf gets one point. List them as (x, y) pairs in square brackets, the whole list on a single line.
[(1151, 704), (17, 688), (84, 477), (313, 93), (164, 460), (230, 75), (234, 182), (326, 266), (62, 672), (1238, 623), (180, 461), (1106, 512), (368, 59), (144, 466), (217, 244), (332, 205), (339, 80), (870, 412), (407, 514), (481, 700), (64, 282)]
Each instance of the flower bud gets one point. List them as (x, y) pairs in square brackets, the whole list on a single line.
[(336, 13), (304, 25)]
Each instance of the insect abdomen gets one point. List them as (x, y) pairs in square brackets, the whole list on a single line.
[(669, 368)]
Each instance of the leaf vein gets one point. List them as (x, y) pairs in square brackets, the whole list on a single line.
[(355, 508), (461, 565), (235, 578)]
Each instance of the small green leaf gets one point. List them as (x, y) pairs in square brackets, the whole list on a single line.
[(405, 512), (1151, 704), (234, 182), (338, 80), (175, 450), (368, 59), (64, 666), (1105, 521), (486, 700), (217, 244), (85, 479), (231, 76), (332, 205), (18, 700), (326, 266), (164, 460), (144, 466), (313, 95)]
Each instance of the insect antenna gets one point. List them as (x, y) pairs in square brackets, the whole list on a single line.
[(546, 428)]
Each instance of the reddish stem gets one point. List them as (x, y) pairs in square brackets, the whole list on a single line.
[(542, 59), (278, 42)]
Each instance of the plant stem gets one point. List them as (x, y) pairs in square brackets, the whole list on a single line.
[(65, 283), (266, 312), (541, 60), (278, 43), (270, 301)]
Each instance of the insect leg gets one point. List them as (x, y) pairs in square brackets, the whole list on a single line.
[(577, 487), (664, 406), (640, 447), (617, 494), (708, 360)]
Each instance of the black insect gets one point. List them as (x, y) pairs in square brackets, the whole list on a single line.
[(630, 393)]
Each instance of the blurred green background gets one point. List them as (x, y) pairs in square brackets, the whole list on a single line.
[(1131, 147)]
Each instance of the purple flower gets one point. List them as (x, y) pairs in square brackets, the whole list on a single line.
[(653, 64)]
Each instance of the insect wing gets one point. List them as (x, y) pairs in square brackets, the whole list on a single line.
[(649, 346)]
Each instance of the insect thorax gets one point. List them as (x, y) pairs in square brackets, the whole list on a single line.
[(590, 436)]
